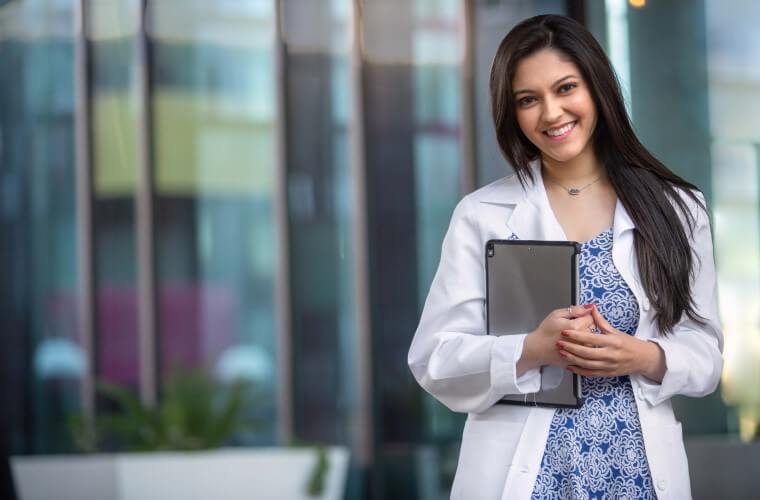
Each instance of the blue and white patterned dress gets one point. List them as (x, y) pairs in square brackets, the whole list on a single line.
[(597, 451)]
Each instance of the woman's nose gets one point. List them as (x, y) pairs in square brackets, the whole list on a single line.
[(552, 111)]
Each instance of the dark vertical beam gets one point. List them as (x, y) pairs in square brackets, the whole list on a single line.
[(283, 295), (468, 122), (144, 201), (576, 9), (84, 195), (360, 233)]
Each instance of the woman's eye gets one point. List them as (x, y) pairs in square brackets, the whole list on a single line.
[(567, 87), (526, 101)]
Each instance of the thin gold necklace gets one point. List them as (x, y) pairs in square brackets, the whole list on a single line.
[(573, 191)]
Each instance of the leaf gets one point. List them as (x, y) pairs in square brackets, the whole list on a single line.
[(316, 484), (83, 433), (195, 413), (229, 418)]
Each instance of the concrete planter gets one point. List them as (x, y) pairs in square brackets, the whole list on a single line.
[(228, 474)]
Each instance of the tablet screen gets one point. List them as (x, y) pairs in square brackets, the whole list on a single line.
[(526, 281)]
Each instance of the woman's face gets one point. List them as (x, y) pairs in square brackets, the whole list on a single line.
[(554, 107)]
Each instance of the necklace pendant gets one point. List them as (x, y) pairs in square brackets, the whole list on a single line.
[(573, 191)]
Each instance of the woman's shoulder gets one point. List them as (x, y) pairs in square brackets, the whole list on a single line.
[(688, 195), (693, 199), (692, 210)]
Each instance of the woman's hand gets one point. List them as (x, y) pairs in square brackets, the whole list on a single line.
[(540, 346), (610, 353)]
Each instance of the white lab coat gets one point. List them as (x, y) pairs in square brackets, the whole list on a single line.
[(454, 360)]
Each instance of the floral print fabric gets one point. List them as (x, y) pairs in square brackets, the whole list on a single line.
[(597, 451)]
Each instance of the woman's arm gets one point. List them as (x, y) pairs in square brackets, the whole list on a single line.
[(688, 361), (693, 352), (451, 356)]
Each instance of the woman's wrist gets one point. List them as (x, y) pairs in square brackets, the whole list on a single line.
[(529, 358), (653, 366)]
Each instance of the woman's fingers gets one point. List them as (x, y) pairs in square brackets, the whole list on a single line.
[(602, 323), (582, 323), (592, 364), (572, 312), (587, 338), (582, 351)]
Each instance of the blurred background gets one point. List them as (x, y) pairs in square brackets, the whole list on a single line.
[(260, 188)]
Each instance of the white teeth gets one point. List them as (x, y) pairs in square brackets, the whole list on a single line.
[(560, 131)]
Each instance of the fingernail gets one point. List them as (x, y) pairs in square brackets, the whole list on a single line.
[(559, 343), (562, 353), (588, 306), (564, 333)]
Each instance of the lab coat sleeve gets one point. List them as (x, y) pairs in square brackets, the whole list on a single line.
[(693, 352), (451, 356)]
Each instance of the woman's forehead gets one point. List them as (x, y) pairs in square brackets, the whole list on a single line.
[(543, 69)]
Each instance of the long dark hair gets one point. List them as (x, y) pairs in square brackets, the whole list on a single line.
[(648, 190)]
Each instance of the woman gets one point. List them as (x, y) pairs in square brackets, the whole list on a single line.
[(647, 282)]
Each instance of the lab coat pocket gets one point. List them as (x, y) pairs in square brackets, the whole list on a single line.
[(484, 458)]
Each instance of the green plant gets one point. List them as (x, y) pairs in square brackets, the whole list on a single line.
[(195, 413)]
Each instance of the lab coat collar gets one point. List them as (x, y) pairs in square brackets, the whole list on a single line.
[(509, 191), (532, 216)]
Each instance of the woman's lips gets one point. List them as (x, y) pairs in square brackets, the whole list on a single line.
[(567, 130)]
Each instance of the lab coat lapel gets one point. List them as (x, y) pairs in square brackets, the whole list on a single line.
[(532, 217), (529, 222), (622, 221), (517, 216), (622, 248)]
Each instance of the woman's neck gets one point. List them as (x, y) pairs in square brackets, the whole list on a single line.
[(582, 168)]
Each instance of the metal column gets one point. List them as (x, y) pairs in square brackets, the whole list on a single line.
[(144, 197), (364, 417), (282, 287), (468, 124), (84, 184)]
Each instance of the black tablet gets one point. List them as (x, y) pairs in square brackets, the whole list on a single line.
[(525, 281)]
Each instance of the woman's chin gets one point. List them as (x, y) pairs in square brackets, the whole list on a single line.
[(561, 157)]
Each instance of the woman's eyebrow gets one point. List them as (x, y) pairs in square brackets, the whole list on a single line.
[(525, 91)]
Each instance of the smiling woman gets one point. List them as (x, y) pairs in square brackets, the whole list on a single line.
[(556, 112), (559, 114), (648, 328)]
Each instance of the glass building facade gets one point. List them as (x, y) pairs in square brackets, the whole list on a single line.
[(260, 188)]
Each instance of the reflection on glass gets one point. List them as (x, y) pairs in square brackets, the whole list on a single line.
[(114, 165), (215, 162), (437, 49), (39, 289), (320, 202), (493, 20), (733, 47), (412, 109), (617, 46)]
